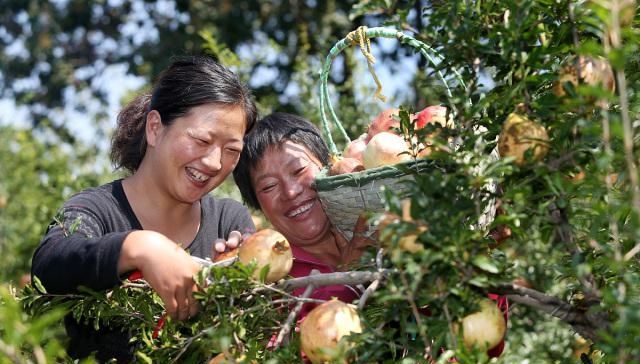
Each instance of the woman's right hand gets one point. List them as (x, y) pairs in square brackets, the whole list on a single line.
[(167, 268)]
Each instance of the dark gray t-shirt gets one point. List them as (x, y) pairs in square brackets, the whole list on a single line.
[(82, 245)]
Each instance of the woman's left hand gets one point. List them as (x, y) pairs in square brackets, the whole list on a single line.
[(221, 245), (352, 250)]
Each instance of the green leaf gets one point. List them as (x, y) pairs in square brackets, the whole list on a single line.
[(483, 262)]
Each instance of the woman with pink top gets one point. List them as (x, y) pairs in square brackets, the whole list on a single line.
[(281, 158)]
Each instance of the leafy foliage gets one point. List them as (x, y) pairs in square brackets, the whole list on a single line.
[(26, 208)]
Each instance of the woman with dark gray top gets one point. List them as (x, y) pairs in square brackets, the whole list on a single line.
[(178, 144)]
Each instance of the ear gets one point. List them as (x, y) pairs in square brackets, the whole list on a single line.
[(153, 127)]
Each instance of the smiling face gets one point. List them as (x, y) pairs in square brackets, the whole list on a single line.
[(282, 182), (197, 152)]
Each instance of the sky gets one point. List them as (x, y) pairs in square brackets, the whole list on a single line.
[(114, 80)]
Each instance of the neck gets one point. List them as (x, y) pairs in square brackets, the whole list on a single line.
[(158, 211), (325, 250)]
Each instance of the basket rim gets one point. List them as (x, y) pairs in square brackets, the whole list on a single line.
[(324, 182)]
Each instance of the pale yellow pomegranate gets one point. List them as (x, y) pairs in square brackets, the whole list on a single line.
[(323, 328), (267, 247), (485, 328), (593, 71), (383, 149), (520, 134), (218, 359)]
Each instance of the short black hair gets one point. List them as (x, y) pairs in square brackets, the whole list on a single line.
[(272, 131)]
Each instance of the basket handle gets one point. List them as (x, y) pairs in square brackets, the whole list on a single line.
[(325, 101)]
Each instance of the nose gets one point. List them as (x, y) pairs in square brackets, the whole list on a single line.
[(292, 188), (212, 159)]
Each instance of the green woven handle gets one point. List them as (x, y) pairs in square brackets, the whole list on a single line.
[(325, 101)]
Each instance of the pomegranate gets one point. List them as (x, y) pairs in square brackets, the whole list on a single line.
[(521, 281), (267, 247), (345, 165), (383, 122), (593, 71), (218, 359), (484, 328), (226, 255), (324, 326), (627, 9), (383, 149), (520, 134), (355, 148), (432, 114)]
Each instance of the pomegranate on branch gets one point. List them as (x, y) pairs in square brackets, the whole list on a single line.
[(433, 114), (520, 135), (267, 247), (484, 329), (592, 71), (323, 328), (226, 255)]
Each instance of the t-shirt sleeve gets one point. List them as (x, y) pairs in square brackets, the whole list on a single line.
[(236, 216), (76, 251)]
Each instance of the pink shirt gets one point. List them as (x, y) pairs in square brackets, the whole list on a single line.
[(303, 263)]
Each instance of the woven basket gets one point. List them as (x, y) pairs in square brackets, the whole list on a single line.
[(345, 197)]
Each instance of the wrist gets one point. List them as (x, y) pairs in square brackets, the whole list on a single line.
[(135, 249)]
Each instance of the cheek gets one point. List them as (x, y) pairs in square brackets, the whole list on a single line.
[(232, 161), (308, 180)]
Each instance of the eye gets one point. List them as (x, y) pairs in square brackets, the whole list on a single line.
[(233, 150), (299, 170), (200, 141), (268, 187)]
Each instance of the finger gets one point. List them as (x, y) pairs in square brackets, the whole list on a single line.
[(220, 245), (195, 305), (171, 306), (234, 239), (361, 225), (183, 298)]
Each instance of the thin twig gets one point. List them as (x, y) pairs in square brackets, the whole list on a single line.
[(445, 308), (368, 292), (286, 328), (621, 81), (379, 256), (416, 314), (11, 353)]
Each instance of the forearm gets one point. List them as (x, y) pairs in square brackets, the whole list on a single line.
[(63, 263)]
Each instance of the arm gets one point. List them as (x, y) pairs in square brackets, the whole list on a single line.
[(76, 251), (167, 268)]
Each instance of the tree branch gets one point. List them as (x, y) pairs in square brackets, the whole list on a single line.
[(583, 321), (286, 328), (329, 279)]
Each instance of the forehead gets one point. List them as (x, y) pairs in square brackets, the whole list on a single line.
[(206, 117), (277, 157)]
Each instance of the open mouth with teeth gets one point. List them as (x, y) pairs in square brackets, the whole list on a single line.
[(197, 176), (300, 210)]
